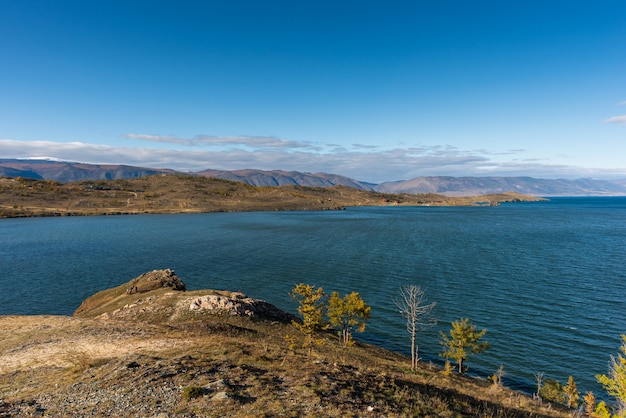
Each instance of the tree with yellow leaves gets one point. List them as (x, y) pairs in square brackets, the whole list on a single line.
[(464, 340), (347, 313), (615, 382), (571, 393), (311, 305)]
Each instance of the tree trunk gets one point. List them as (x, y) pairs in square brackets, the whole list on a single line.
[(413, 353), (461, 366), (345, 337)]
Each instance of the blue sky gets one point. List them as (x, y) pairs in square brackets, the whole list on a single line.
[(374, 90)]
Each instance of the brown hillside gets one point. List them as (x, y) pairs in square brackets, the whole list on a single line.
[(21, 197)]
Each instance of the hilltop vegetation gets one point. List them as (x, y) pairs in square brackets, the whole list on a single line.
[(21, 197)]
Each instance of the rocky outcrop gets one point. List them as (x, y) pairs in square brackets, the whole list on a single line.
[(160, 296), (109, 300), (156, 279), (240, 304)]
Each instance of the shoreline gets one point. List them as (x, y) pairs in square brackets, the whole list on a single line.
[(23, 198), (130, 363)]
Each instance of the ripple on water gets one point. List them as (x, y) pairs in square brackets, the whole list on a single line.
[(546, 280)]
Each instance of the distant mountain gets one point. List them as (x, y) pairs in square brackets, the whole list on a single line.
[(9, 171), (621, 182), (450, 186), (284, 178), (65, 171), (468, 186)]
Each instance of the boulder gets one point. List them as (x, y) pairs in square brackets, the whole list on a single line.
[(156, 279), (240, 304)]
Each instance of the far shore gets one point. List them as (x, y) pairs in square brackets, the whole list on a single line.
[(175, 194)]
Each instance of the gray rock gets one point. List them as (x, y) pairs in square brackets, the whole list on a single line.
[(220, 396)]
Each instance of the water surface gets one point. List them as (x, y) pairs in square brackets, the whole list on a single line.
[(545, 279)]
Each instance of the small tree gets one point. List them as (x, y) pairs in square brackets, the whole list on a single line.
[(311, 305), (418, 314), (347, 313), (615, 382), (552, 391), (539, 377), (594, 410), (602, 411), (571, 393), (590, 403), (464, 340), (497, 377), (448, 368)]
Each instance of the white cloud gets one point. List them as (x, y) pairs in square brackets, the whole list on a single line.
[(159, 138), (365, 165), (616, 119), (253, 142), (363, 146)]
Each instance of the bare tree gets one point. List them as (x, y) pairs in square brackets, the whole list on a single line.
[(498, 376), (539, 377), (418, 314)]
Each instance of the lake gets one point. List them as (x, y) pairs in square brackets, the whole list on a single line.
[(546, 279)]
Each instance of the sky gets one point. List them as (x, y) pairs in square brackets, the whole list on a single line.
[(373, 90)]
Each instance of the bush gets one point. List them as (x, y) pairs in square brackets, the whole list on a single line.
[(552, 391), (192, 392)]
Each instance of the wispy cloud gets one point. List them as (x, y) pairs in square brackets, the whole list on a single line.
[(364, 146), (253, 142), (373, 165), (616, 119)]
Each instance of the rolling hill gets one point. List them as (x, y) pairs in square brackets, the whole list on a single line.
[(464, 186), (445, 185)]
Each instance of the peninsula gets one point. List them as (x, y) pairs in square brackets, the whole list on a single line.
[(175, 193)]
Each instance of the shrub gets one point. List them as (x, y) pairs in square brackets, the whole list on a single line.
[(552, 391), (192, 392)]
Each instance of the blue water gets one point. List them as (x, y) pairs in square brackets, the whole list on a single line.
[(546, 279)]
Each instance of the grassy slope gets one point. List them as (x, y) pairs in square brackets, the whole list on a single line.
[(179, 194), (147, 356)]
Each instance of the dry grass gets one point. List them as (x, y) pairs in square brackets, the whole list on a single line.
[(243, 365), (149, 353), (185, 194)]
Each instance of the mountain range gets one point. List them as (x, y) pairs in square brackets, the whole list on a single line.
[(64, 171)]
